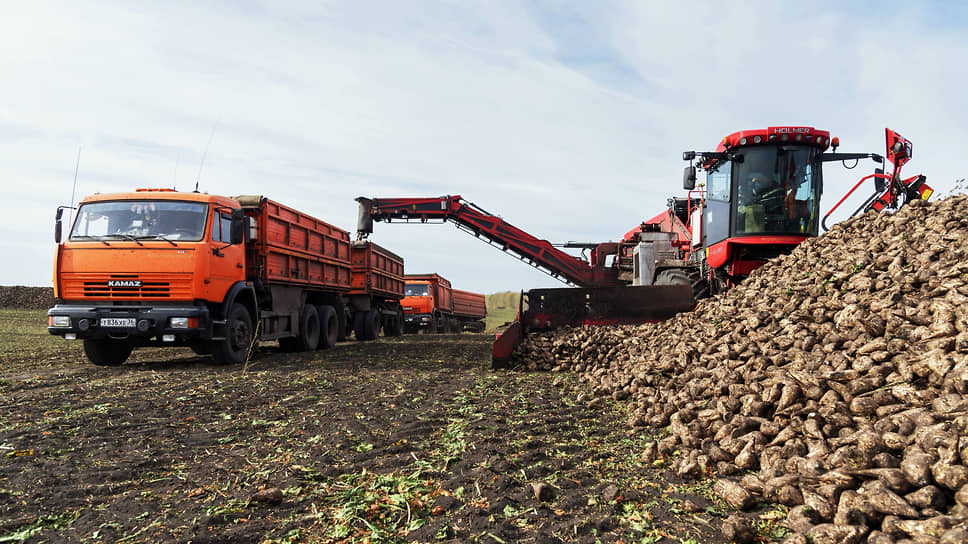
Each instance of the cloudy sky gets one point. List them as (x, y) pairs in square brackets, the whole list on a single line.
[(568, 119)]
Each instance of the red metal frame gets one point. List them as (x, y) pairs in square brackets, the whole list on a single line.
[(889, 194), (540, 253)]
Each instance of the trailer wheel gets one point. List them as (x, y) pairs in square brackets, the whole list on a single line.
[(373, 324), (107, 352), (309, 328), (394, 324), (366, 325), (238, 337), (329, 327), (343, 322)]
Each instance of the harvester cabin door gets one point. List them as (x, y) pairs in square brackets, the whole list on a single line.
[(716, 209), (226, 261)]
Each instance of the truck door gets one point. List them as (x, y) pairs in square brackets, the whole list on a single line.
[(226, 262)]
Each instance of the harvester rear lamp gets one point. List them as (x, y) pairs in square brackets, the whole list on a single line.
[(168, 338), (757, 139), (742, 141), (59, 321)]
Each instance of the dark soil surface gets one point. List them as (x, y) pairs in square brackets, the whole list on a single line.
[(400, 440)]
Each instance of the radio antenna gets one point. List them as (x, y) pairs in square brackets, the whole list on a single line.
[(77, 165), (204, 154)]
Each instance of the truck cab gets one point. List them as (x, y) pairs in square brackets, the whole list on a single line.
[(426, 298), (150, 267)]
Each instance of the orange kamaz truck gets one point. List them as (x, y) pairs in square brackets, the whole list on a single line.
[(158, 267), (432, 305)]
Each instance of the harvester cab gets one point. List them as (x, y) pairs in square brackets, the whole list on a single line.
[(760, 198)]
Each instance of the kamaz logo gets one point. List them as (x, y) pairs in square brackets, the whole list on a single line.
[(124, 283)]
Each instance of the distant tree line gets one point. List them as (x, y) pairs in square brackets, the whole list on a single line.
[(504, 300)]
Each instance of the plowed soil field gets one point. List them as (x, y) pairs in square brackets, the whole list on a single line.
[(413, 439)]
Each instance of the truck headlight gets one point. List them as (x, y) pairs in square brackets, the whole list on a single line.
[(179, 322), (60, 321)]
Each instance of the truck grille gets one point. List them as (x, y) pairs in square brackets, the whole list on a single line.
[(127, 286)]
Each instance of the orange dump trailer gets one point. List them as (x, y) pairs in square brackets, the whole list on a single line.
[(432, 305), (157, 267)]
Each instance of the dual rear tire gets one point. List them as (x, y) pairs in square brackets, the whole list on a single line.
[(318, 329)]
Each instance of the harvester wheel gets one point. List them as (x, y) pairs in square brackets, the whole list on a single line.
[(681, 276), (329, 326), (107, 352), (238, 337), (673, 276)]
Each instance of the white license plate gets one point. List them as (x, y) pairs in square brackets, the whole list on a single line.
[(126, 322)]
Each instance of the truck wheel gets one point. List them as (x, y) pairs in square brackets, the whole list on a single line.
[(329, 327), (309, 328), (372, 325), (238, 337), (366, 325), (359, 318), (107, 352), (343, 322), (393, 326)]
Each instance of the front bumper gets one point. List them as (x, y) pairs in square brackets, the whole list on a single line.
[(123, 322), (417, 320)]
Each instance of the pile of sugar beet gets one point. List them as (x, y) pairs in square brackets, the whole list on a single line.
[(833, 380)]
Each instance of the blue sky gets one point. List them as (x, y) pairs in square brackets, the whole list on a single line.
[(567, 119)]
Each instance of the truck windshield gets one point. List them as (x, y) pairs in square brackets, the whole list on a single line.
[(777, 190), (141, 220), (417, 290)]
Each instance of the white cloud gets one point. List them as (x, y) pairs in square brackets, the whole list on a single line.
[(567, 121)]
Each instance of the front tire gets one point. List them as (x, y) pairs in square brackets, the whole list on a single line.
[(238, 337), (107, 352)]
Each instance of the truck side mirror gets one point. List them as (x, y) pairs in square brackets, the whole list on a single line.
[(58, 225), (237, 233), (689, 178)]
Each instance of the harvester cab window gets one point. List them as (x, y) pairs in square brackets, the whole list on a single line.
[(417, 290), (777, 190), (718, 182)]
